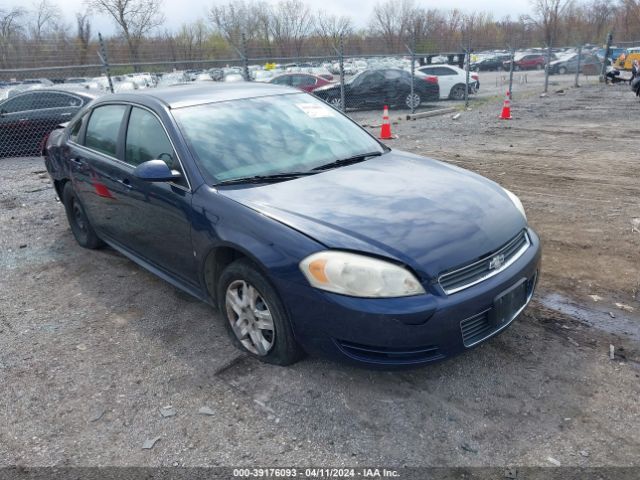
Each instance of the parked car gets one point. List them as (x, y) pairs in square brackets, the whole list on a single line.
[(490, 64), (306, 232), (302, 81), (232, 77), (378, 87), (614, 53), (38, 81), (26, 118), (76, 80), (173, 78), (526, 61), (589, 65), (452, 80)]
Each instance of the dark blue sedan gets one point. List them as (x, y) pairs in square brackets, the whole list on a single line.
[(307, 233)]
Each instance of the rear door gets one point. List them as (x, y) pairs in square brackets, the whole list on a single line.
[(96, 170)]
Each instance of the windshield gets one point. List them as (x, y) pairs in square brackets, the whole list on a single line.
[(269, 135)]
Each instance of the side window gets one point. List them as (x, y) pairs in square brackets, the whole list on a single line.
[(57, 100), (21, 103), (75, 129), (447, 71), (103, 128), (147, 140), (392, 74), (284, 80), (303, 81)]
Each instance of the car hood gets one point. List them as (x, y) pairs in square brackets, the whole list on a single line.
[(426, 214)]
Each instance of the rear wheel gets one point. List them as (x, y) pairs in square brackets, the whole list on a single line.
[(254, 315), (562, 70), (413, 101), (78, 221), (457, 92)]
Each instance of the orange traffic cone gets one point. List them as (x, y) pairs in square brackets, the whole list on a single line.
[(385, 130), (506, 108)]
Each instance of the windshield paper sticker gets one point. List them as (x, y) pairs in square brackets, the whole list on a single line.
[(314, 110)]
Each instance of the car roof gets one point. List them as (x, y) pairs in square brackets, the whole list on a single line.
[(190, 95), (82, 92)]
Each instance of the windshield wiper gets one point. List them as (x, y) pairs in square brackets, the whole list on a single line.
[(347, 161), (272, 178)]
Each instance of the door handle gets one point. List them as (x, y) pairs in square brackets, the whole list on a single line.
[(125, 181), (76, 161), (66, 114)]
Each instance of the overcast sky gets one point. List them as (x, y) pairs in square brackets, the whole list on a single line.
[(178, 12)]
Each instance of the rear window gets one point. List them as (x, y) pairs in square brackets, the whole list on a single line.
[(103, 129)]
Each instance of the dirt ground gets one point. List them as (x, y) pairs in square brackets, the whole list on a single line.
[(92, 346)]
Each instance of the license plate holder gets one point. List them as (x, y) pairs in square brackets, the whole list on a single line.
[(508, 303)]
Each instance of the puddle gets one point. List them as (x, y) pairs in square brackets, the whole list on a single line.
[(595, 315)]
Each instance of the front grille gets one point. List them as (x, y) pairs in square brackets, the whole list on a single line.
[(476, 328), (480, 327), (389, 356), (464, 277)]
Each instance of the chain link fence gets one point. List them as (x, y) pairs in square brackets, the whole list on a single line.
[(47, 85)]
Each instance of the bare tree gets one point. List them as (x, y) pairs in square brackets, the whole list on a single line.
[(135, 18), (547, 15), (330, 28), (11, 27), (238, 17), (83, 35), (291, 24), (45, 18), (397, 23), (191, 39)]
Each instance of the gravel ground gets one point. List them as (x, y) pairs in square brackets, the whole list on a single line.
[(92, 347)]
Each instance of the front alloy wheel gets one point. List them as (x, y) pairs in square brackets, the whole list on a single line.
[(336, 102), (255, 317), (250, 317)]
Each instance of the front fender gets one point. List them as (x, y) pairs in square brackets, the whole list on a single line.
[(275, 248)]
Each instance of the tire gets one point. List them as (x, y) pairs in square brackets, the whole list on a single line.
[(457, 92), (516, 68), (539, 67), (335, 102), (412, 102), (562, 70), (246, 299), (81, 228)]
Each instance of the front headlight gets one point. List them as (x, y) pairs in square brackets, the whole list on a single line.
[(516, 201), (358, 275)]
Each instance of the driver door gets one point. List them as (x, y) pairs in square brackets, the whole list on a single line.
[(158, 227), (370, 90)]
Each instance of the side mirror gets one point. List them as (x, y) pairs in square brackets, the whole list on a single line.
[(156, 171)]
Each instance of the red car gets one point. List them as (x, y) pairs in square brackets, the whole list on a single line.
[(303, 81), (526, 61)]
